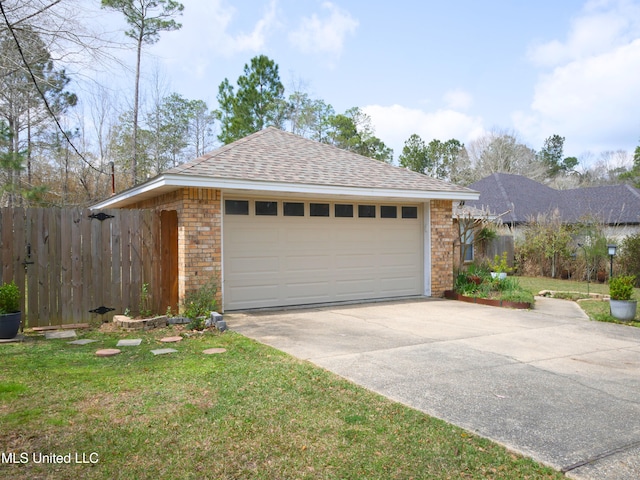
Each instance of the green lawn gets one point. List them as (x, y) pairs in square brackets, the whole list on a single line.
[(596, 309), (251, 412)]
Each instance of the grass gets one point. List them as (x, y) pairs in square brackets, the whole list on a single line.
[(596, 309), (252, 412)]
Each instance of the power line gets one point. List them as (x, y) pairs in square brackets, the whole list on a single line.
[(40, 92)]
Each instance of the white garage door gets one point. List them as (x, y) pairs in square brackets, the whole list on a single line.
[(294, 252)]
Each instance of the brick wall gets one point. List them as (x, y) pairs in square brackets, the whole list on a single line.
[(442, 236), (199, 235)]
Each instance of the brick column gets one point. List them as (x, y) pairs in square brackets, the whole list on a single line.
[(442, 236), (199, 240)]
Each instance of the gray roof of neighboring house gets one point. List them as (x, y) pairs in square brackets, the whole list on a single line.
[(273, 155), (524, 198)]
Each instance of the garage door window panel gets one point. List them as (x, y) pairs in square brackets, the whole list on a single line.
[(293, 209), (409, 212), (367, 211), (319, 209), (388, 211), (343, 210), (236, 207), (267, 208)]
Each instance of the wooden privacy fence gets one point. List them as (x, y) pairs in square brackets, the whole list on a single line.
[(77, 265)]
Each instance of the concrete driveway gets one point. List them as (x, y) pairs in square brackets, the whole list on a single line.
[(547, 383)]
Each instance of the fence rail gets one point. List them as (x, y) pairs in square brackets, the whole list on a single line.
[(77, 265)]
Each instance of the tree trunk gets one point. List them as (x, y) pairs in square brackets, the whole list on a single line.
[(134, 159)]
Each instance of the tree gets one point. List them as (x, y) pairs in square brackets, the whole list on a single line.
[(258, 103), (32, 94), (414, 154), (503, 152), (633, 175), (147, 18), (551, 157), (353, 131), (201, 124), (437, 159)]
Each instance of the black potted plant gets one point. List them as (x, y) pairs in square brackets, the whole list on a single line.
[(10, 315), (621, 293)]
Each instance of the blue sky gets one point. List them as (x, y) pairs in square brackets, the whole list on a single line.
[(453, 69)]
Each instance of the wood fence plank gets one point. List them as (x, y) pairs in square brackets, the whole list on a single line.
[(125, 259), (41, 258), (146, 225), (76, 265), (160, 305), (136, 262), (32, 290), (6, 243), (96, 268), (105, 267), (116, 265), (87, 287), (66, 266), (19, 254), (54, 268)]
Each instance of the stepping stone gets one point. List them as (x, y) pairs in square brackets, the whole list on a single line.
[(212, 351), (60, 334), (129, 342), (84, 341), (163, 351), (107, 352), (171, 339)]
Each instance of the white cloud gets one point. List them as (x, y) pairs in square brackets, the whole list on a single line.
[(395, 124), (591, 96), (208, 31), (602, 26), (324, 35), (458, 99)]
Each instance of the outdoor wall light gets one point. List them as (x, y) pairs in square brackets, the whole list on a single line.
[(612, 253)]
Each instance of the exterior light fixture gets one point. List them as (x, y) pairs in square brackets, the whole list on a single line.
[(612, 253)]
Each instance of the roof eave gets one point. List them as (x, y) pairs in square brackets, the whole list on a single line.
[(169, 182)]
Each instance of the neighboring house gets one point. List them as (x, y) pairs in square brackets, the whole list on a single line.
[(281, 220), (518, 199)]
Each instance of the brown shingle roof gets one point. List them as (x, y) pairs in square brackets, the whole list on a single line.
[(272, 155)]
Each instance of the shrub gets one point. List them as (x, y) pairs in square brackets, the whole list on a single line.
[(621, 288), (199, 303), (629, 257), (9, 298)]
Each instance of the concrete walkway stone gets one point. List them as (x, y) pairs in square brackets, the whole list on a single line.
[(83, 341), (57, 334), (163, 351), (129, 342)]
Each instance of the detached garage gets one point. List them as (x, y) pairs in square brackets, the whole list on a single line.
[(281, 220)]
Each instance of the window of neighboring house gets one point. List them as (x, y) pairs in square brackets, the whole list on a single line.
[(267, 208), (466, 241), (293, 209), (236, 207), (343, 210), (319, 209)]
